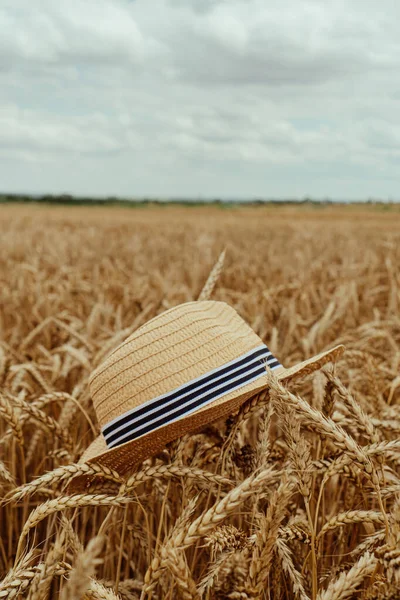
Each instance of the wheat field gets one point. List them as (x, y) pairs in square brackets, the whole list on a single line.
[(297, 495)]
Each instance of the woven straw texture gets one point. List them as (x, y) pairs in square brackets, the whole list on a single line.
[(170, 350), (167, 352)]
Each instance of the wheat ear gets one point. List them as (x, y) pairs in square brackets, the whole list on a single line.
[(351, 516), (98, 591), (171, 471), (44, 420), (286, 558), (63, 503), (266, 538), (347, 583), (64, 474), (213, 277), (9, 414), (86, 563)]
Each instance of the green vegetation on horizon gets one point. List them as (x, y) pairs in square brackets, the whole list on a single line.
[(67, 199)]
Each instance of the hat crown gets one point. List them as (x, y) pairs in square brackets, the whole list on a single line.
[(169, 351)]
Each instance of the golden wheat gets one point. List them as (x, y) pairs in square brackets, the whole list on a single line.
[(296, 495)]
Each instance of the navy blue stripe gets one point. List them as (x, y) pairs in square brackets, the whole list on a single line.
[(174, 395), (183, 410), (274, 364), (134, 422)]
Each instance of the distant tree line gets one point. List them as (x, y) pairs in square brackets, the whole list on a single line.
[(68, 199)]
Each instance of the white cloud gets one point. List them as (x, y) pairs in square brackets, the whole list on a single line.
[(28, 130), (174, 97), (45, 33)]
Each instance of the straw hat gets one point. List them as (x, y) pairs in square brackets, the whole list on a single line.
[(183, 369)]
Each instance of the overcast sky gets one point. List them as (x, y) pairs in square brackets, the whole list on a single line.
[(202, 98)]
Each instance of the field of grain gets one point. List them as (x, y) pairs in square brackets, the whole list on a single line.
[(295, 496)]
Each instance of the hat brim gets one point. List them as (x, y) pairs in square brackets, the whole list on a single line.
[(130, 455)]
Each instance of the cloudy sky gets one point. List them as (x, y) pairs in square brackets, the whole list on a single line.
[(206, 98)]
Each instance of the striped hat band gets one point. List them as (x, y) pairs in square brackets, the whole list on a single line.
[(178, 363), (188, 398)]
